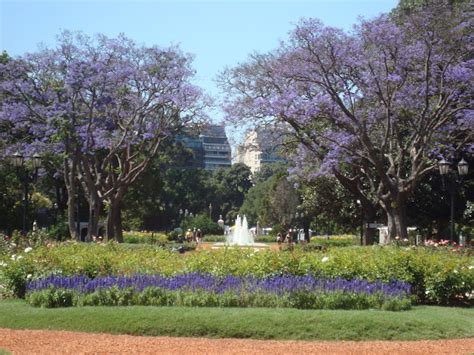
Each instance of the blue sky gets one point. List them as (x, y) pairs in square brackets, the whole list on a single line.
[(219, 33)]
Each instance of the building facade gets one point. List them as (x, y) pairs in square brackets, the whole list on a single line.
[(261, 146), (211, 148)]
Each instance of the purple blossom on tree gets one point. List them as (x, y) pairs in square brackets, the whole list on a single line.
[(105, 105), (369, 107)]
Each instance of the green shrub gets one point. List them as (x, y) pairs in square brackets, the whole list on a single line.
[(436, 276), (153, 296), (214, 238), (336, 241), (53, 298), (60, 230), (202, 222), (16, 273), (265, 239), (278, 228), (136, 237), (396, 305)]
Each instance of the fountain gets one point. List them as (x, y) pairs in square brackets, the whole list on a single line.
[(240, 236)]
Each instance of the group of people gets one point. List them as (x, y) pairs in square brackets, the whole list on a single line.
[(293, 236), (194, 235)]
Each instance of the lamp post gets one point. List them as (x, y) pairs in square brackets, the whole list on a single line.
[(18, 161), (446, 172), (361, 212)]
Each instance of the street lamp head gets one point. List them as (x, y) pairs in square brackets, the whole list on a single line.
[(444, 167), (17, 159), (36, 161), (463, 167)]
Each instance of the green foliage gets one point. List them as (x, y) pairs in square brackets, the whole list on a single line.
[(153, 296), (16, 273), (335, 241), (272, 200), (265, 239), (437, 277), (202, 222), (52, 298), (278, 228), (60, 230), (333, 206), (171, 186), (136, 237), (214, 238)]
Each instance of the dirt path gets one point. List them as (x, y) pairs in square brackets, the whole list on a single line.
[(62, 342)]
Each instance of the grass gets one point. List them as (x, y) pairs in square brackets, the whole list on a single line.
[(258, 323), (4, 352)]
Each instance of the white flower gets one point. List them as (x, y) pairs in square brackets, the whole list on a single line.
[(455, 271), (405, 240), (13, 257), (3, 263), (471, 267), (325, 259), (27, 250), (19, 257), (28, 276)]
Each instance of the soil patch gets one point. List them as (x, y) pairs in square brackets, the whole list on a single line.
[(63, 342)]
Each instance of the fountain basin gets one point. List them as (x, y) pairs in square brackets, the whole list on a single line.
[(255, 246)]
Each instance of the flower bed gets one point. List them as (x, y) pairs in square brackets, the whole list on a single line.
[(436, 276), (200, 289)]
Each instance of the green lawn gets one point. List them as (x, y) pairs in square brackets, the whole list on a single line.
[(260, 323)]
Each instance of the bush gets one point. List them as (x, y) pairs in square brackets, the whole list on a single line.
[(265, 239), (336, 241), (202, 222), (60, 230), (436, 276), (277, 228), (135, 237), (214, 238)]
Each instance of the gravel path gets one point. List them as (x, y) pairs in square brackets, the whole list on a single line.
[(62, 342)]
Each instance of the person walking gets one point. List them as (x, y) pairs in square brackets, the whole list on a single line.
[(279, 240), (189, 236)]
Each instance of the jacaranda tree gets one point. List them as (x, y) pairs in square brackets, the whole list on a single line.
[(105, 105), (375, 107)]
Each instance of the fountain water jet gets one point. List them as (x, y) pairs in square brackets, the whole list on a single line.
[(240, 236)]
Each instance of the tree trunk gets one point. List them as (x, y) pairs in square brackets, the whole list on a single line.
[(71, 215), (397, 222), (94, 213), (110, 232), (114, 221), (71, 186), (118, 223)]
